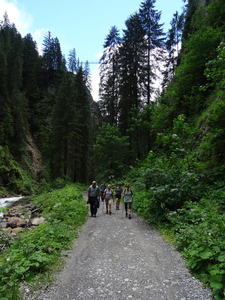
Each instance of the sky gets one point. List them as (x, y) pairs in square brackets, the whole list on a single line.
[(79, 24)]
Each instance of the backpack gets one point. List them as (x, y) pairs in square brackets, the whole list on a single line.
[(130, 190)]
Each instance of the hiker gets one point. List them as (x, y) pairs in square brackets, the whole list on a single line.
[(93, 198), (108, 199), (118, 192), (102, 189), (128, 197)]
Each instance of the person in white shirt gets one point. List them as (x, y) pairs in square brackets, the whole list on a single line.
[(108, 199)]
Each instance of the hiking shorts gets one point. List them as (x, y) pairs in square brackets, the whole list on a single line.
[(108, 201), (118, 196)]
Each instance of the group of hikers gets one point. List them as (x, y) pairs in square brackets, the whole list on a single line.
[(105, 193)]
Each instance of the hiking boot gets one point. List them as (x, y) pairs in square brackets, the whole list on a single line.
[(129, 216), (106, 212), (110, 212)]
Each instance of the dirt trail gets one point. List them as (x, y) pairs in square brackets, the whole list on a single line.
[(115, 258)]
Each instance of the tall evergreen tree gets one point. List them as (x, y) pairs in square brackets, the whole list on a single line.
[(154, 38), (83, 98), (52, 56), (109, 76), (87, 77), (70, 128), (131, 60), (47, 51), (31, 68), (72, 61), (13, 104), (66, 134), (6, 125), (173, 45), (57, 55), (131, 81)]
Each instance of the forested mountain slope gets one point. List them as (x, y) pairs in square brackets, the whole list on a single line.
[(168, 141), (45, 112)]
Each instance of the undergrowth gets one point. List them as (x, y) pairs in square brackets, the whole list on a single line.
[(186, 202), (37, 252)]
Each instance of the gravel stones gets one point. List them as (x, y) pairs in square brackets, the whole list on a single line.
[(115, 258)]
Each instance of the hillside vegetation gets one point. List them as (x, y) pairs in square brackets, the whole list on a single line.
[(169, 145)]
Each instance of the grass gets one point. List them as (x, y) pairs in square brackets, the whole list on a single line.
[(36, 255)]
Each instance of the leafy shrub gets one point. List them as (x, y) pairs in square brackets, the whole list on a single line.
[(199, 230)]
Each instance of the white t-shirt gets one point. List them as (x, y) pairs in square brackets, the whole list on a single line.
[(108, 194)]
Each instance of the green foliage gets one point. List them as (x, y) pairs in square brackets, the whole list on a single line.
[(211, 147), (70, 129), (13, 178), (38, 250), (169, 177), (171, 188), (112, 148), (199, 230)]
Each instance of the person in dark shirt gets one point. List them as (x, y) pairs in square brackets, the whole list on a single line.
[(118, 192), (102, 189)]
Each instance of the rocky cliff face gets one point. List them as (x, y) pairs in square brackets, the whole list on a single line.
[(34, 156)]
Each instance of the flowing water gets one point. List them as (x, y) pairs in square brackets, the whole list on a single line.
[(6, 202)]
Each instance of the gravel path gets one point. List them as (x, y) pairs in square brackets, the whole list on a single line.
[(115, 258)]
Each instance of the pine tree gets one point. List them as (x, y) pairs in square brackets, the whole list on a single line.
[(47, 51), (70, 128), (52, 56), (154, 38), (6, 124), (72, 61), (109, 76), (13, 104), (131, 61), (87, 77), (66, 132), (83, 96), (174, 37), (57, 55), (31, 68)]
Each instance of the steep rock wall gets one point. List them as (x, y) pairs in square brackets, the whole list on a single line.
[(34, 156)]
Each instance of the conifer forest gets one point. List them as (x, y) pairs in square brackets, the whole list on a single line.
[(159, 123)]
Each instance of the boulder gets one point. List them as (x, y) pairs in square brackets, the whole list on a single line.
[(22, 223), (17, 230), (12, 223), (7, 230), (37, 221)]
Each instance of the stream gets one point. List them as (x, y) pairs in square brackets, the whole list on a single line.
[(6, 202)]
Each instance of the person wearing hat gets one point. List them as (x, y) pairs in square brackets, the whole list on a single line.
[(118, 192), (128, 198)]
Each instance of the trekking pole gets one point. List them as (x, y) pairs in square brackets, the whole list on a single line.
[(122, 209), (102, 204)]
